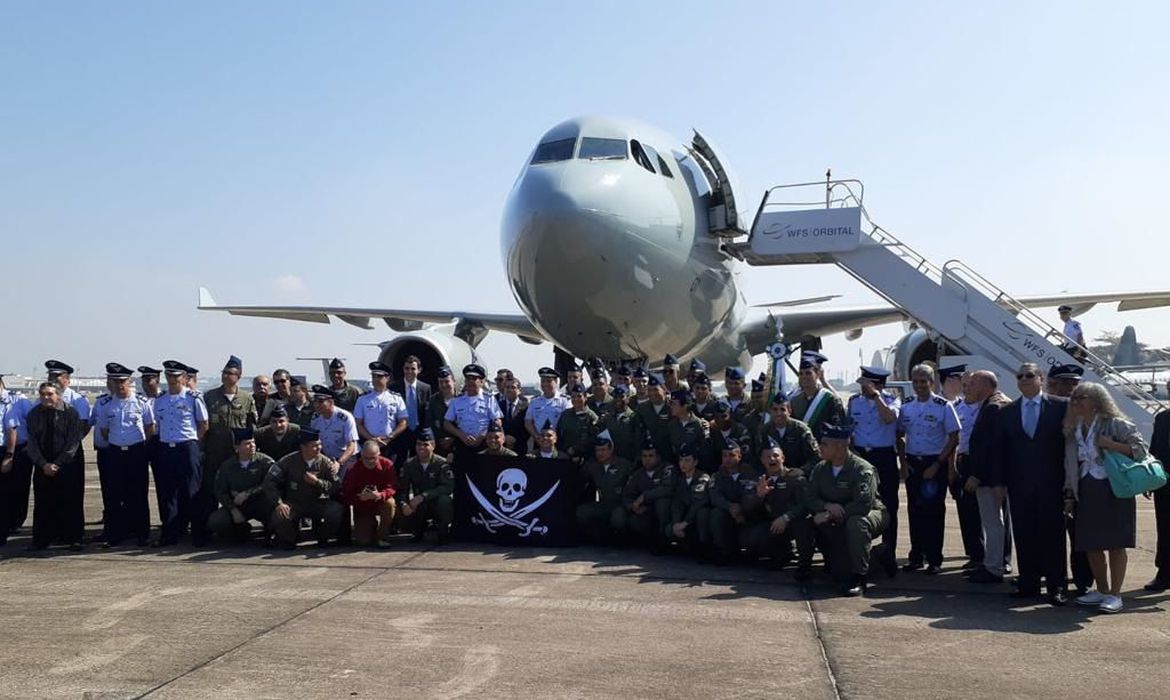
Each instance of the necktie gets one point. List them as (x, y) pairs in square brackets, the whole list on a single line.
[(1031, 417), (411, 408)]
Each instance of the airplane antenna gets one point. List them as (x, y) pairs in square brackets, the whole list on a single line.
[(828, 187)]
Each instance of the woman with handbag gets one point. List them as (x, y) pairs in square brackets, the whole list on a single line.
[(1106, 525)]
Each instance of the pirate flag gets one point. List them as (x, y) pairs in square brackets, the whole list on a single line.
[(516, 500)]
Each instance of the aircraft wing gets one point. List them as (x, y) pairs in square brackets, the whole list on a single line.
[(397, 319), (760, 328)]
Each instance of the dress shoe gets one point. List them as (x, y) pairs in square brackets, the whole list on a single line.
[(1056, 599), (1157, 585), (854, 587), (972, 565), (912, 566), (932, 570), (984, 576)]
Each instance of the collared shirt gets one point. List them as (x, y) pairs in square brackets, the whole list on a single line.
[(868, 429), (473, 414), (125, 419), (17, 417), (380, 413), (7, 402), (1072, 329), (1024, 402), (77, 401), (927, 424), (337, 431), (99, 406), (542, 409), (968, 413), (178, 415)]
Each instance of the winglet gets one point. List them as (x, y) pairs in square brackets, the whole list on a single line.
[(205, 299)]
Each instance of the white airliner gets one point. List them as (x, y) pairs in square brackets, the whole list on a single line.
[(613, 239)]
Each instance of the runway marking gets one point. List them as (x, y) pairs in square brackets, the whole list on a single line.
[(481, 664), (413, 630), (110, 615), (103, 653)]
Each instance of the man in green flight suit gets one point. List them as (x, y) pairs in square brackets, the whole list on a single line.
[(685, 428), (426, 490), (228, 408), (777, 515), (624, 426), (654, 413), (646, 499), (730, 488), (239, 489), (801, 450), (602, 516), (843, 500), (690, 505), (814, 402), (577, 426)]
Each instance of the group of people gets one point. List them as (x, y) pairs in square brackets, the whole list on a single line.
[(665, 463)]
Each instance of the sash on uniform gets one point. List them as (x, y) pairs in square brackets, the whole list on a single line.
[(815, 407)]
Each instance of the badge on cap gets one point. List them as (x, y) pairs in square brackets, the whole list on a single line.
[(444, 371), (733, 374), (336, 364), (58, 367), (836, 432), (174, 368), (547, 373), (474, 370), (322, 392), (115, 370), (148, 371), (670, 361), (380, 369), (234, 364), (425, 435), (874, 374)]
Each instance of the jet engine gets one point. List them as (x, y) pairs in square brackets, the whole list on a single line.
[(434, 349), (915, 348)]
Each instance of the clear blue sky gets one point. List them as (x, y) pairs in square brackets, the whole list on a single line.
[(360, 152)]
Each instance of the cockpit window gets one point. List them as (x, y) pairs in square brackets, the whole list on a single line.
[(609, 149), (657, 159), (664, 168), (640, 156), (692, 172), (551, 151)]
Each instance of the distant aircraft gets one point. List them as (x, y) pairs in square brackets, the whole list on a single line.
[(613, 239), (1151, 376)]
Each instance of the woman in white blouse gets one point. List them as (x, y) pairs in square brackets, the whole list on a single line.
[(1105, 525)]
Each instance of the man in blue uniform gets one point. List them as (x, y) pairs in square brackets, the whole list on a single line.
[(15, 465), (126, 423), (931, 429), (181, 417), (469, 415), (546, 408), (381, 415), (873, 415)]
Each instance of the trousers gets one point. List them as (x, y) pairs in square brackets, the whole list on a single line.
[(927, 513)]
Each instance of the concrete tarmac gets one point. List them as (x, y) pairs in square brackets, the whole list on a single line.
[(469, 621)]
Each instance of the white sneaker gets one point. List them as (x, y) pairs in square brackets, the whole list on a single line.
[(1111, 604), (1092, 598)]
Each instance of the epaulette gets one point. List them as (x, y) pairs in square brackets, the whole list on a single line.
[(102, 398), (940, 400), (196, 393)]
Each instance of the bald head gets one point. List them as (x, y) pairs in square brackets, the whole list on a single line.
[(981, 384)]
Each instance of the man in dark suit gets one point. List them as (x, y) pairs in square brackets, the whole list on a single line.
[(1160, 448), (1031, 441), (417, 395), (513, 406), (985, 477)]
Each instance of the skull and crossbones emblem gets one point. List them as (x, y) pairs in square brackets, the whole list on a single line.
[(511, 485)]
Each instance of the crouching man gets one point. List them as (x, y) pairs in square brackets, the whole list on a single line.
[(239, 490), (843, 501), (777, 514), (369, 489), (302, 485)]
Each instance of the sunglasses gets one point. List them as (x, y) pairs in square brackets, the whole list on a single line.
[(1026, 375)]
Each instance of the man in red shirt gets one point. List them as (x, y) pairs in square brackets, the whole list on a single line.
[(369, 489)]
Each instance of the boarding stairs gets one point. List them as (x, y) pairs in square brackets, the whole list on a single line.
[(957, 305)]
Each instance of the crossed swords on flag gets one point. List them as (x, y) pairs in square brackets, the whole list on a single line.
[(500, 518)]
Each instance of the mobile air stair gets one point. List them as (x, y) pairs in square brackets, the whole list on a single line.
[(954, 303)]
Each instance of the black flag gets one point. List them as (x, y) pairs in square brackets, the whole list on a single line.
[(516, 500)]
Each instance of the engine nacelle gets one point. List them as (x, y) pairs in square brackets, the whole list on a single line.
[(912, 349), (433, 348)]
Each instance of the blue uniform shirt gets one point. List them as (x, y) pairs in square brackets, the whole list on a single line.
[(336, 432), (541, 409), (99, 407), (380, 413), (868, 429), (473, 414), (7, 403), (178, 416), (968, 412), (125, 419), (927, 424), (17, 418), (77, 401)]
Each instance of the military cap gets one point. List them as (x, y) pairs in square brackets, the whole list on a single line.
[(683, 396), (603, 440), (190, 369), (623, 371), (1066, 372), (670, 361), (874, 374), (425, 435), (721, 406), (58, 367), (474, 370), (733, 374), (577, 388), (309, 435), (698, 366), (320, 391), (278, 412), (242, 434), (234, 364), (770, 444), (1064, 307), (293, 381), (495, 427), (639, 373), (547, 373), (684, 450), (174, 368), (598, 375), (548, 425), (757, 386), (619, 392), (595, 363), (118, 371), (654, 380), (336, 364), (443, 371), (836, 432), (701, 380), (945, 373), (812, 358), (730, 443), (379, 368), (779, 398), (147, 371)]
